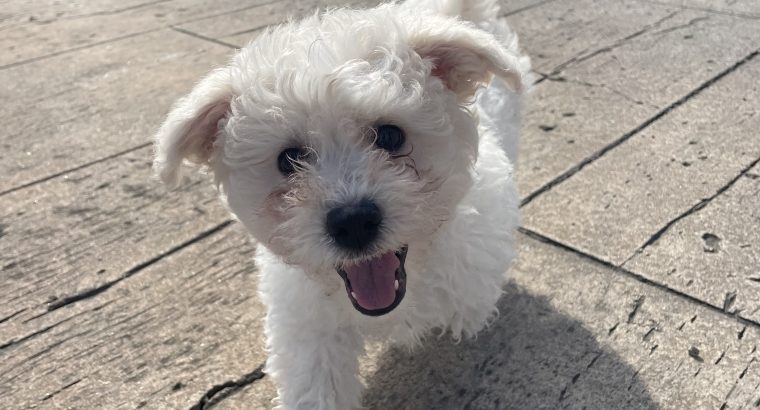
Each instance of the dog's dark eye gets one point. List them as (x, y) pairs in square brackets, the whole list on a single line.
[(287, 158), (390, 137)]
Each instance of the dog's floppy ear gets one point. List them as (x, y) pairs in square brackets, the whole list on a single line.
[(466, 57), (190, 129)]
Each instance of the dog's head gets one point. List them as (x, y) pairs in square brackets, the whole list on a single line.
[(343, 141)]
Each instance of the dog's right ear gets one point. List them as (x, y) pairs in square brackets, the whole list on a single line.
[(192, 126), (466, 56)]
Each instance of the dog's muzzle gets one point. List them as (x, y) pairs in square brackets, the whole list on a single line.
[(377, 286)]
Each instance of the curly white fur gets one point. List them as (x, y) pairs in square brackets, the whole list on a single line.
[(323, 84)]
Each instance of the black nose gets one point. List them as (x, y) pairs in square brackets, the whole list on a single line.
[(354, 226)]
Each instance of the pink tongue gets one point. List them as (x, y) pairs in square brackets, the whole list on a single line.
[(373, 281)]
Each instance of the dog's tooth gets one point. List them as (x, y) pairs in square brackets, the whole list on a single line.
[(353, 295), (395, 284)]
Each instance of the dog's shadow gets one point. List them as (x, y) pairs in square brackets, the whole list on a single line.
[(532, 357)]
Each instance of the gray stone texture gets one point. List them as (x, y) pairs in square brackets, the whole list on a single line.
[(575, 334), (741, 8), (68, 110), (713, 252), (563, 31), (73, 234), (639, 269), (615, 204), (158, 340), (39, 31), (646, 73)]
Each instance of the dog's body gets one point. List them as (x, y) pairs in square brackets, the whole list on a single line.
[(349, 146)]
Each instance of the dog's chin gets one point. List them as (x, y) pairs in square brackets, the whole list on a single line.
[(377, 286)]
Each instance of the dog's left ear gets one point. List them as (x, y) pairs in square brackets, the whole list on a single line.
[(466, 57), (192, 126)]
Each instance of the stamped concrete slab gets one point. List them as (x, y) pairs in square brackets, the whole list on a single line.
[(241, 27), (75, 108), (626, 85), (559, 32), (72, 236), (17, 12), (47, 32), (240, 40), (661, 62), (615, 204), (566, 122), (158, 340), (714, 252), (536, 21), (747, 8), (575, 334), (572, 334)]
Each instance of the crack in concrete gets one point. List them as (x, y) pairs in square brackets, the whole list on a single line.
[(246, 31), (688, 24), (562, 393), (64, 387), (528, 7), (694, 209), (95, 291), (722, 355), (624, 95), (12, 315), (638, 277), (74, 169), (14, 342), (580, 57), (49, 348), (70, 50), (729, 300), (649, 333), (625, 137), (636, 306), (634, 379), (589, 84), (740, 335), (224, 13), (210, 397), (108, 12), (706, 9), (202, 37), (593, 361), (744, 372)]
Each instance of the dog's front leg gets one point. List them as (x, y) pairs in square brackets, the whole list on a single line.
[(314, 362)]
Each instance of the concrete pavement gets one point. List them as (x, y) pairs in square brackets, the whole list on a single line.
[(639, 272)]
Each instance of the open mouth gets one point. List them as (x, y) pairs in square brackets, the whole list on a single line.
[(377, 286)]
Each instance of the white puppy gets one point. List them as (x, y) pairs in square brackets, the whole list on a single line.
[(368, 152)]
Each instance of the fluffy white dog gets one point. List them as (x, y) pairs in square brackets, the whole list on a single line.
[(368, 152)]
